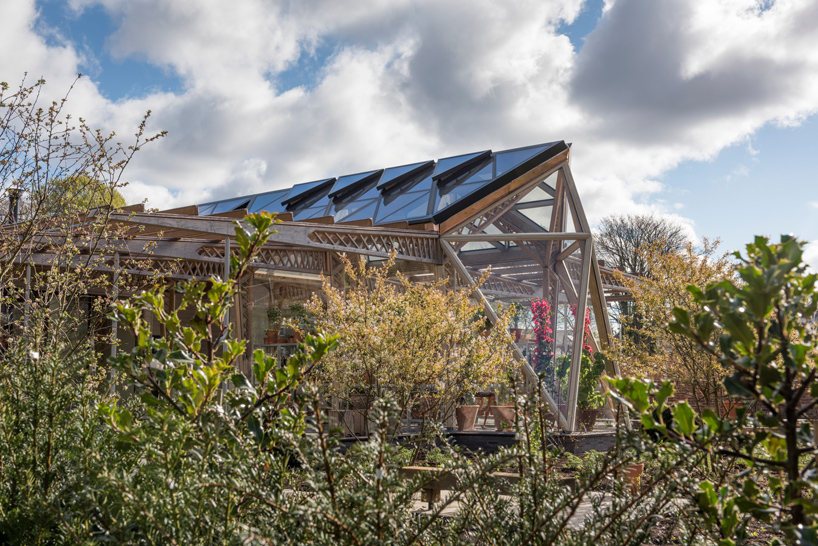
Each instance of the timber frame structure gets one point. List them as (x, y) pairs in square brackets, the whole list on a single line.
[(517, 212)]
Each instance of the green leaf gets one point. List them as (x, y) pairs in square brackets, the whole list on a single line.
[(735, 386), (684, 416)]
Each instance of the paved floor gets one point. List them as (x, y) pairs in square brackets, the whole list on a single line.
[(584, 510)]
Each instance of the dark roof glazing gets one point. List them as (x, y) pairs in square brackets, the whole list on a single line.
[(415, 193)]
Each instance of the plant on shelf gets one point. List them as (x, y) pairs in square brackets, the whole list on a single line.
[(274, 317), (517, 312), (273, 324), (298, 318)]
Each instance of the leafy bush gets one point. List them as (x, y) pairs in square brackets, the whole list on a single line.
[(768, 342)]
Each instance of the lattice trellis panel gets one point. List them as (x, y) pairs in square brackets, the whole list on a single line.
[(177, 268), (497, 285), (408, 247), (292, 292), (311, 261)]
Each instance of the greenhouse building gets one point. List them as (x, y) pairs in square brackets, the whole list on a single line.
[(516, 213)]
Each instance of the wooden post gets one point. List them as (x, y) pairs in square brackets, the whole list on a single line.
[(579, 336), (226, 319), (114, 322), (27, 303)]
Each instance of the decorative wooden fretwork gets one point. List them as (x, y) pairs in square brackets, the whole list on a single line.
[(498, 286), (412, 248), (291, 259), (293, 292), (173, 268)]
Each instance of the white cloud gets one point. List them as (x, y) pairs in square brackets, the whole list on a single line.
[(739, 171), (656, 83), (811, 255)]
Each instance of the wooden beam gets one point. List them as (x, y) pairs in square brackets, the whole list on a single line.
[(579, 337), (319, 220), (539, 236), (191, 210), (365, 222)]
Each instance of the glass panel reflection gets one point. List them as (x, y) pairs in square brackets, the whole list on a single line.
[(270, 202), (508, 160)]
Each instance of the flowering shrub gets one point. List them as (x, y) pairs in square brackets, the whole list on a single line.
[(544, 348), (406, 338)]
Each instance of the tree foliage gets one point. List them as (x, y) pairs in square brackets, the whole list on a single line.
[(648, 347), (621, 240), (762, 329)]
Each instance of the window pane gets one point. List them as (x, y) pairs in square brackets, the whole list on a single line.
[(362, 214), (508, 160), (270, 202), (342, 211), (450, 194), (392, 203), (416, 209), (230, 204)]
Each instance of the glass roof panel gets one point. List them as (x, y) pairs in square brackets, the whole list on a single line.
[(444, 183), (270, 202), (483, 175), (301, 191), (347, 183), (230, 204), (390, 204), (314, 212), (341, 211), (392, 176), (367, 212), (508, 160), (415, 209), (451, 164), (204, 210), (447, 195)]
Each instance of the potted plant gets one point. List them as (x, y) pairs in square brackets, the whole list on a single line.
[(274, 324), (298, 316), (466, 412), (517, 315), (589, 399), (503, 411)]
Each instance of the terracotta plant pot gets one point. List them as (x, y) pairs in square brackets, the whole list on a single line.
[(632, 474), (730, 408), (586, 419), (503, 417), (466, 416), (297, 336), (516, 332)]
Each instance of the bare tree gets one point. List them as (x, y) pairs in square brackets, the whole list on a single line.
[(622, 240)]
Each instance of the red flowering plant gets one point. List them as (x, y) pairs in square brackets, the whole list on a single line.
[(585, 346), (543, 356)]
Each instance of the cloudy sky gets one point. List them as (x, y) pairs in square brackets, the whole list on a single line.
[(705, 110)]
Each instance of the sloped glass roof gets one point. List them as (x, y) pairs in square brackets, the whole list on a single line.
[(427, 191)]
